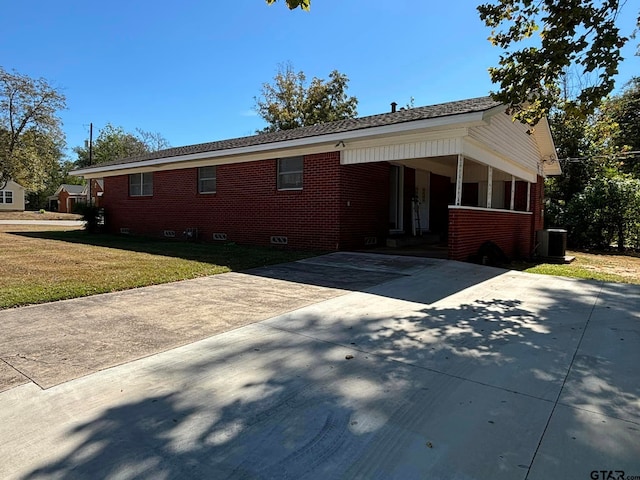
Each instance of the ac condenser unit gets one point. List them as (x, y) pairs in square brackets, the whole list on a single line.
[(552, 242)]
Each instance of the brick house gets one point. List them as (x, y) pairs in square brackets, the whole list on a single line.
[(66, 196), (462, 169)]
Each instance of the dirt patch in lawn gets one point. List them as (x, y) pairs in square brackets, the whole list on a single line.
[(604, 266), (625, 265), (39, 216)]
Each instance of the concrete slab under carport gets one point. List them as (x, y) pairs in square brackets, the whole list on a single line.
[(358, 386)]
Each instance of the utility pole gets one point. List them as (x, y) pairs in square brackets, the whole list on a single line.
[(90, 158)]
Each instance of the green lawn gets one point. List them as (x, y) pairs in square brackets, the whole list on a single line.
[(43, 266)]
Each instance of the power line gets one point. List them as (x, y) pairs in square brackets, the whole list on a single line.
[(632, 155)]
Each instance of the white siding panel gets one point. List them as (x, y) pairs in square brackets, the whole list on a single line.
[(403, 151), (509, 139)]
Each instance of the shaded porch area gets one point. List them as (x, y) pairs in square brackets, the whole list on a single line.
[(450, 206)]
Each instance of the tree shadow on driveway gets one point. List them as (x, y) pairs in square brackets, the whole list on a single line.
[(394, 390)]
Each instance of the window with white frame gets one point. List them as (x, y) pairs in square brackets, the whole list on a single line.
[(6, 196), (141, 184), (207, 180), (290, 173)]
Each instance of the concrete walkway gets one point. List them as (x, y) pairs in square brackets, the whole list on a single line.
[(383, 367)]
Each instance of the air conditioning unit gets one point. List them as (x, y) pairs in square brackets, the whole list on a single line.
[(552, 243)]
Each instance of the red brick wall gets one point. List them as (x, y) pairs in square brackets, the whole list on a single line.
[(247, 206), (514, 233), (62, 201), (364, 205), (469, 229)]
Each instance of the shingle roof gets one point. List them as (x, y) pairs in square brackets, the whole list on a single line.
[(73, 189), (401, 116)]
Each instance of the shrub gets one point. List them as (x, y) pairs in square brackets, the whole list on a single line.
[(92, 216)]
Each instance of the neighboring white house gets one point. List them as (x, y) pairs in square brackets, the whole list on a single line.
[(12, 197)]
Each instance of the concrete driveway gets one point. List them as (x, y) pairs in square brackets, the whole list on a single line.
[(343, 366)]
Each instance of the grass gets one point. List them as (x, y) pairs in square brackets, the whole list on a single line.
[(44, 266), (45, 263), (28, 215), (603, 266)]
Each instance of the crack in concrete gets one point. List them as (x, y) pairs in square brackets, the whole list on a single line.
[(3, 360), (29, 359)]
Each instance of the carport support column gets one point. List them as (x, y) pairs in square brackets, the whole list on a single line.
[(513, 193), (459, 177), (489, 186)]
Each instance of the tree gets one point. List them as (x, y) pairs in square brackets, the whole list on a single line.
[(575, 34), (154, 141), (114, 143), (58, 174), (289, 103), (612, 201), (623, 111), (31, 138), (597, 194), (293, 4)]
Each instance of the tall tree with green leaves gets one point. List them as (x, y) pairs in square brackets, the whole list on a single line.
[(114, 143), (293, 4), (581, 35), (289, 102), (31, 137), (623, 111), (596, 196), (606, 212)]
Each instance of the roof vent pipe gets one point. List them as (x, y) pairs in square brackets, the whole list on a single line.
[(393, 107)]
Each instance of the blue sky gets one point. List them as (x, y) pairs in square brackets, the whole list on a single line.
[(190, 70)]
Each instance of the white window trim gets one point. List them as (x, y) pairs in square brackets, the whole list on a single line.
[(141, 176), (6, 195), (200, 179), (289, 172)]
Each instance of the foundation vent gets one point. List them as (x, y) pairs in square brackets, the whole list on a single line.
[(220, 236), (368, 241), (125, 231), (278, 240), (170, 233)]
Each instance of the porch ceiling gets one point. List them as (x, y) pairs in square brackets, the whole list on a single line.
[(447, 166)]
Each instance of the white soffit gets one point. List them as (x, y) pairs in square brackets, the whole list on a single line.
[(402, 151), (476, 151)]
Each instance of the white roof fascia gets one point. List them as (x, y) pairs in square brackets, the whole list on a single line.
[(466, 119), (548, 153), (493, 111)]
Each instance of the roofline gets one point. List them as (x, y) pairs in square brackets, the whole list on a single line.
[(397, 128)]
